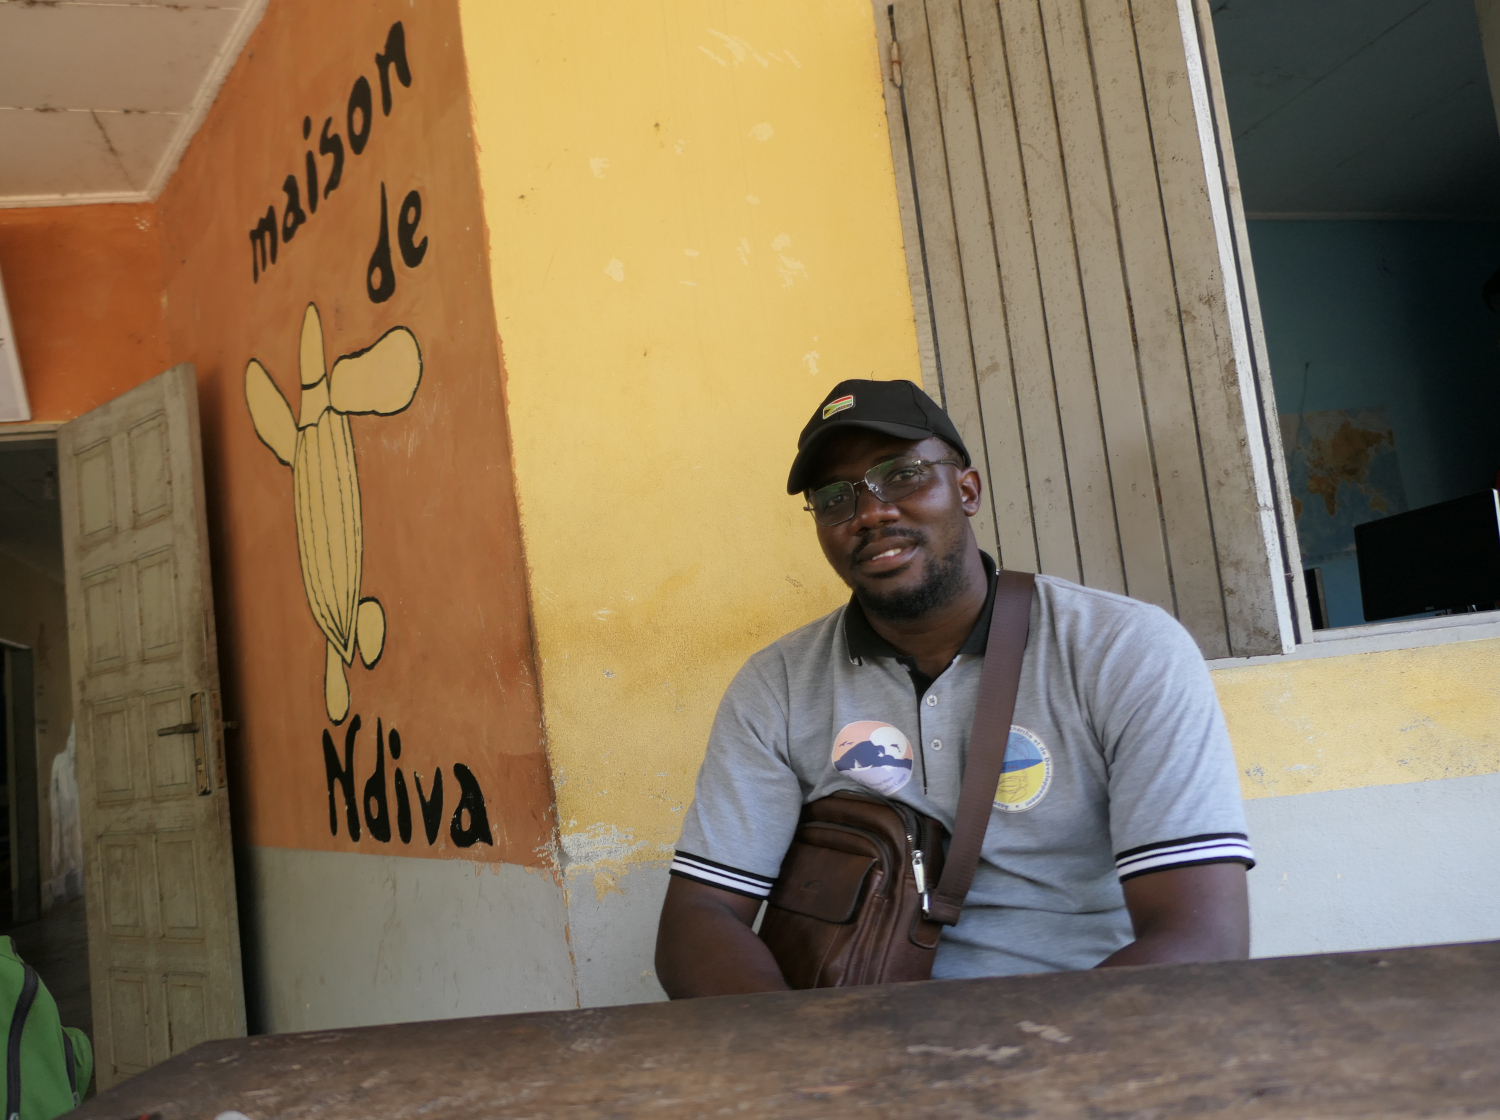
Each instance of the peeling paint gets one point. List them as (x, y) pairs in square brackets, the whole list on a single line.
[(790, 269), (600, 843)]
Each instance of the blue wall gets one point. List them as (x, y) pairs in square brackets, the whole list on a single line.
[(1388, 314)]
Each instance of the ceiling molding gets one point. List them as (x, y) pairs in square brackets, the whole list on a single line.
[(208, 92), (225, 57), (16, 202)]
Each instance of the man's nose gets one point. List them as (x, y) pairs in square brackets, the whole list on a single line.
[(870, 510)]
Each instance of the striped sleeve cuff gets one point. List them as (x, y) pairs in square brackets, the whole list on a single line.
[(1192, 851), (726, 878)]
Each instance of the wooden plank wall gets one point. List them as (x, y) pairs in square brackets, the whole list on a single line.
[(1068, 252)]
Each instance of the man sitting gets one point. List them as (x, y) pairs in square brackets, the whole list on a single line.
[(1117, 835)]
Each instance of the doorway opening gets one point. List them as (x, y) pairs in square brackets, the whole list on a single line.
[(41, 859), (1369, 162)]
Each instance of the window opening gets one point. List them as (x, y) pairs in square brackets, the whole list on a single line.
[(1368, 155)]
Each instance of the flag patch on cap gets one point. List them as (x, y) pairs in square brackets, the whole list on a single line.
[(838, 406)]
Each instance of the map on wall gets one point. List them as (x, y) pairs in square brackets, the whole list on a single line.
[(1342, 471)]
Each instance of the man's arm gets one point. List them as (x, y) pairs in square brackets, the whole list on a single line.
[(1187, 914), (705, 947)]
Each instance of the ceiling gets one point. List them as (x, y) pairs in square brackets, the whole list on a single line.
[(98, 100), (1371, 108), (30, 516)]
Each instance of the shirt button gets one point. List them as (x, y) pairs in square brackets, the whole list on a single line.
[(937, 744), (932, 701)]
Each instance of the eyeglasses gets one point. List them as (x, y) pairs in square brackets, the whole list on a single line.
[(889, 481)]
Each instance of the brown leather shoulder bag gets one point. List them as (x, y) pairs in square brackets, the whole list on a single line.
[(854, 902)]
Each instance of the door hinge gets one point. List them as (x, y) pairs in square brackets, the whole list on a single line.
[(896, 63)]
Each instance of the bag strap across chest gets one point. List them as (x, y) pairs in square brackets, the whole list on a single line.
[(1010, 625)]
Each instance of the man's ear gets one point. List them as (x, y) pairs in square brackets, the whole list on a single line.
[(970, 490)]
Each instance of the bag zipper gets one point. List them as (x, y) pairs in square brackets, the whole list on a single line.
[(13, 1047), (918, 864)]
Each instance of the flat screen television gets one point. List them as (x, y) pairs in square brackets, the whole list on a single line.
[(1444, 557)]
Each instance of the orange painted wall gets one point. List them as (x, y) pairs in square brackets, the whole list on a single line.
[(84, 285), (442, 548)]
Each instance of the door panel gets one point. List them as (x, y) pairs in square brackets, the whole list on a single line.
[(163, 932), (150, 471)]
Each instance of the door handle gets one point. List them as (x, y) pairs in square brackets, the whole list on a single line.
[(203, 704), (200, 755)]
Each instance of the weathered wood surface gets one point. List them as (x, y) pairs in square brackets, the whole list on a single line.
[(1404, 1033)]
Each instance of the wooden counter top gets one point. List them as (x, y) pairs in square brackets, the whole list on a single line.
[(1402, 1033)]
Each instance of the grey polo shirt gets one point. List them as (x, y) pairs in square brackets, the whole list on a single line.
[(1118, 764)]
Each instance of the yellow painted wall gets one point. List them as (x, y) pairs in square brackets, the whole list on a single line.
[(693, 236), (1367, 719)]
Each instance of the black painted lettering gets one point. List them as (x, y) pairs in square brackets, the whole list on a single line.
[(403, 807), (312, 183), (432, 811), (380, 277), (360, 101), (293, 216), (261, 237), (344, 776), (331, 146), (379, 820), (394, 54), (471, 801), (406, 230), (403, 803)]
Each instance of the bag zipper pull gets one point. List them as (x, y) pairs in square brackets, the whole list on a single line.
[(919, 873)]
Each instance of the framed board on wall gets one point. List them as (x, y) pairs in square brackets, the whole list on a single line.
[(13, 403)]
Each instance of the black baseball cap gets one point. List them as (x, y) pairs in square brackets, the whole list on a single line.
[(896, 408)]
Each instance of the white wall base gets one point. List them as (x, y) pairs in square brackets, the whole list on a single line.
[(612, 919), (1376, 868), (334, 939)]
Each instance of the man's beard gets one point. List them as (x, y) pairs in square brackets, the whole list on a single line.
[(945, 578)]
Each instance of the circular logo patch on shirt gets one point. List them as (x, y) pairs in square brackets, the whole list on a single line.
[(874, 754), (1026, 774)]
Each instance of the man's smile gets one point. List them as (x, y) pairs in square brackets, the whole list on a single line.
[(885, 554)]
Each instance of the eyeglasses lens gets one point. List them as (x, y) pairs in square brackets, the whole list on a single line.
[(835, 503), (898, 478)]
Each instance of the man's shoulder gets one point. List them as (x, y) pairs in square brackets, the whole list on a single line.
[(1098, 608), (815, 642), (1091, 622)]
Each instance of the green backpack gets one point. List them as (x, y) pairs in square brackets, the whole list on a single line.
[(47, 1065)]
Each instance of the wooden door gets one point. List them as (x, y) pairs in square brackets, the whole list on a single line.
[(1085, 304), (164, 948)]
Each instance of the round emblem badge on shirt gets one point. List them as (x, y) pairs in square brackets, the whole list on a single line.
[(874, 754), (1026, 774)]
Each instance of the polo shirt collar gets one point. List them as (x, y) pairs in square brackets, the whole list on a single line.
[(862, 641)]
